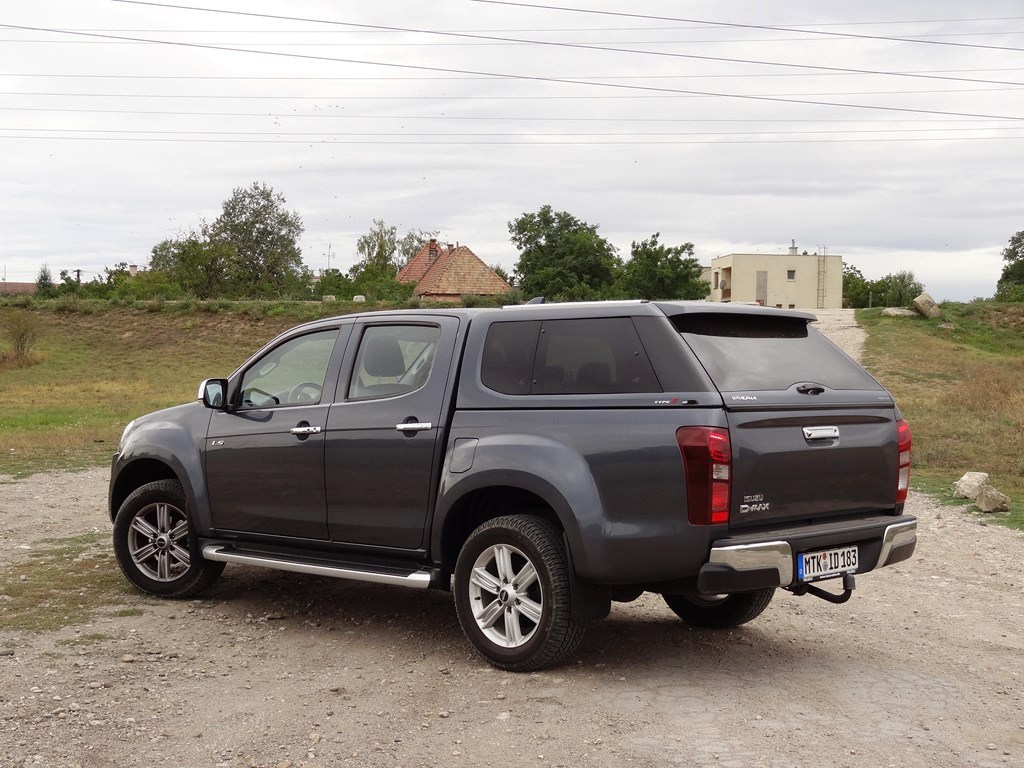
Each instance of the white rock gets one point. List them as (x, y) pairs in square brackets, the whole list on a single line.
[(968, 486), (926, 305), (898, 312), (991, 500)]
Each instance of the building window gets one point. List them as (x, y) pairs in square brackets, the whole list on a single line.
[(791, 275), (792, 306)]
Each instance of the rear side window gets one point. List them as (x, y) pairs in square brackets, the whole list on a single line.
[(763, 353), (566, 357), (509, 350)]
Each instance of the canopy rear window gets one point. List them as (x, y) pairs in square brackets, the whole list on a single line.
[(757, 352)]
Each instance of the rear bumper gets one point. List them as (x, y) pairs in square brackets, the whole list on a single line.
[(767, 559)]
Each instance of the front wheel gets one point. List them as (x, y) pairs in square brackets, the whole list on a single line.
[(720, 611), (155, 543), (512, 594)]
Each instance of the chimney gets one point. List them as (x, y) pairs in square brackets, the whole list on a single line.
[(133, 270), (432, 251), (792, 248)]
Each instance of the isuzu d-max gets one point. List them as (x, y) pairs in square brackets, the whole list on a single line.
[(540, 461)]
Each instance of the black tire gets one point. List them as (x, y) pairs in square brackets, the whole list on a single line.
[(156, 546), (520, 627), (720, 611)]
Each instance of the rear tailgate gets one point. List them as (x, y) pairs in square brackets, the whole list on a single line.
[(813, 434)]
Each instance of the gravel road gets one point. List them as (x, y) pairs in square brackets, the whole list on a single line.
[(923, 667)]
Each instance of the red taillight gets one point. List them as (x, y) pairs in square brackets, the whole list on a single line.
[(707, 456), (904, 442)]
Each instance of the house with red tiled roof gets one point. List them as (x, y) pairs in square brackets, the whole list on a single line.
[(446, 272)]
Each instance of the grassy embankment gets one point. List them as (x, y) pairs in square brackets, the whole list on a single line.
[(95, 367), (961, 389), (98, 366)]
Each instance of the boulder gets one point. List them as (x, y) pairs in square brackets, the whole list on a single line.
[(328, 297), (991, 500), (926, 306), (898, 312), (970, 485)]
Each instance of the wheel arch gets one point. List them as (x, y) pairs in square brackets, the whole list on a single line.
[(476, 506), (135, 475)]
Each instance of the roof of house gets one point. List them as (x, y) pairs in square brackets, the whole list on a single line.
[(451, 271)]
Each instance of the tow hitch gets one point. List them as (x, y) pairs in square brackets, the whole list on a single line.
[(849, 583)]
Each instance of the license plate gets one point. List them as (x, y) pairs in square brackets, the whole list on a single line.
[(828, 562)]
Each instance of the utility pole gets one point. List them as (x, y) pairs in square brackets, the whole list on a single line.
[(78, 276)]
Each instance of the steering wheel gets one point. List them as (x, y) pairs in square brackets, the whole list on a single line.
[(306, 392)]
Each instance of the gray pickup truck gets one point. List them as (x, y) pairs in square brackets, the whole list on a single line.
[(540, 461)]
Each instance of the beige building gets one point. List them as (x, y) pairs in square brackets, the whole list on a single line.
[(790, 281)]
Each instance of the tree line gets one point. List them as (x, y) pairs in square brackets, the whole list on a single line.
[(251, 251)]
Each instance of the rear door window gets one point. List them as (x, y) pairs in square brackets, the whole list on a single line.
[(763, 353)]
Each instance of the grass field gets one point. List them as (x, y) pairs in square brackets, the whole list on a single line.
[(97, 366), (961, 389)]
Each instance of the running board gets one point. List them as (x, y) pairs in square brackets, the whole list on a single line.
[(418, 579)]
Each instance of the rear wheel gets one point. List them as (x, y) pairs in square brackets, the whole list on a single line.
[(156, 545), (512, 594), (720, 611)]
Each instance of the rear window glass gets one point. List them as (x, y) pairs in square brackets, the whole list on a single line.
[(508, 355), (763, 353), (566, 357), (594, 356)]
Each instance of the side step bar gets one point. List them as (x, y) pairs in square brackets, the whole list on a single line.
[(418, 579)]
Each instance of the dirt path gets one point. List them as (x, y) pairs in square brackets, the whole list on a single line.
[(921, 668)]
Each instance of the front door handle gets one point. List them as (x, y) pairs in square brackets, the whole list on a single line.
[(307, 430), (414, 426)]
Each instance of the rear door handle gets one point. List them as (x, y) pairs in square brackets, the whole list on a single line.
[(821, 433), (414, 426), (306, 430)]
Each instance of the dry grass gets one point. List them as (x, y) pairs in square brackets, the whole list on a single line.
[(960, 389), (61, 583), (98, 370)]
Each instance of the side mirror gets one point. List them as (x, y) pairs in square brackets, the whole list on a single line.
[(213, 393)]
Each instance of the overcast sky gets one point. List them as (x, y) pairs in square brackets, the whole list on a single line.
[(735, 138)]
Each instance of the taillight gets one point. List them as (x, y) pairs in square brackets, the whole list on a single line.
[(707, 459), (904, 442)]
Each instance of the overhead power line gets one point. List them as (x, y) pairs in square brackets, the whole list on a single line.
[(505, 134), (459, 97), (468, 78), (538, 78), (527, 142), (736, 25), (450, 118), (552, 43)]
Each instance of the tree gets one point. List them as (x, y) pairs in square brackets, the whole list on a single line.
[(656, 271), (44, 282), (378, 250), (1011, 282), (561, 256), (334, 282), (258, 238), (856, 289), (410, 244), (896, 290), (196, 265)]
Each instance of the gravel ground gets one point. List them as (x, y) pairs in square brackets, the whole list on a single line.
[(923, 667)]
